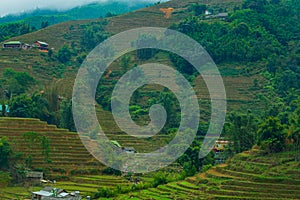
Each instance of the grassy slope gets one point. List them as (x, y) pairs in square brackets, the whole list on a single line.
[(68, 32), (239, 95), (248, 175)]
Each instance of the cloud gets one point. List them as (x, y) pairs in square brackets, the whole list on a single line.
[(17, 6)]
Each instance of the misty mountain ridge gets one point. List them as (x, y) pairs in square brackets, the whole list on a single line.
[(89, 11)]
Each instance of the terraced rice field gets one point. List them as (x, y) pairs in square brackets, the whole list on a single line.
[(244, 177), (66, 150), (86, 184)]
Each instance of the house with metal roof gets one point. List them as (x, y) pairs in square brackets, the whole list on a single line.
[(49, 193), (13, 44), (41, 45)]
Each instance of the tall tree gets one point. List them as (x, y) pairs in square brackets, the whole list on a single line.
[(5, 152), (272, 135), (241, 131)]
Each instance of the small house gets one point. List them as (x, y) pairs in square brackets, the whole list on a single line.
[(41, 45), (34, 177), (26, 46), (220, 145), (218, 149), (13, 45), (128, 150), (49, 193)]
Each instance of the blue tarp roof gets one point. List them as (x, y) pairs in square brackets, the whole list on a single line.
[(6, 108)]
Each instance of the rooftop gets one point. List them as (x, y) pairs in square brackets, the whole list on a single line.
[(42, 43), (14, 42)]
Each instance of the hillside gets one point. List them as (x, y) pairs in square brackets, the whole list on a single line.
[(89, 11), (248, 175), (66, 149), (153, 17), (68, 33), (31, 21), (255, 44)]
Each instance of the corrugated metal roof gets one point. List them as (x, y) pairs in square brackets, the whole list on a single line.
[(43, 193), (42, 43), (14, 42)]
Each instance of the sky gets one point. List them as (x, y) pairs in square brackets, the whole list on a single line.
[(17, 6)]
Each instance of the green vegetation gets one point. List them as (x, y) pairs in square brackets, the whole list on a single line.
[(14, 25), (16, 83), (249, 175), (5, 152), (257, 50), (14, 29)]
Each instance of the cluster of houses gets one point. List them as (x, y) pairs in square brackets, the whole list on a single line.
[(42, 46), (50, 193)]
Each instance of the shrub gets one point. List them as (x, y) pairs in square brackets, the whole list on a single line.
[(160, 178), (104, 192), (111, 171), (4, 179)]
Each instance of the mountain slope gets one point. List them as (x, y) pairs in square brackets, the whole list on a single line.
[(248, 175), (240, 96), (89, 11)]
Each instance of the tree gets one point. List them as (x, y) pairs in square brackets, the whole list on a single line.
[(160, 178), (271, 135), (45, 142), (21, 106), (44, 24), (64, 54), (16, 82), (240, 130), (5, 152), (31, 138), (66, 116), (125, 60), (257, 5), (182, 65), (35, 106), (93, 34), (198, 9), (294, 128)]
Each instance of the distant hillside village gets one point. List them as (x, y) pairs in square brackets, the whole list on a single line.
[(41, 46)]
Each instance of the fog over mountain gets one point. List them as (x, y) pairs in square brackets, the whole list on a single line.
[(18, 6)]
